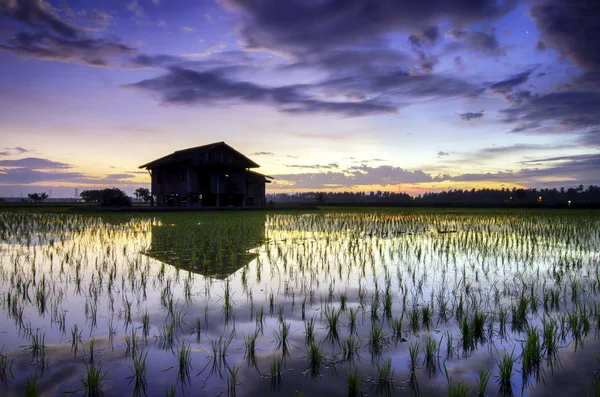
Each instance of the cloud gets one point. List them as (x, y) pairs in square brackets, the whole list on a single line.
[(570, 27), (35, 170), (505, 86), (10, 151), (477, 41), (282, 25), (93, 52), (428, 36), (353, 61), (402, 86), (574, 168), (519, 97), (540, 46), (471, 115), (441, 154), (262, 154), (50, 38), (314, 166), (356, 176), (152, 61), (33, 163), (36, 14), (186, 86), (26, 176), (571, 111)]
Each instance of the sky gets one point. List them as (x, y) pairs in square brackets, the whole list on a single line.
[(333, 95)]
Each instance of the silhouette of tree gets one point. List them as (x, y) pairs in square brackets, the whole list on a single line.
[(38, 197), (142, 194)]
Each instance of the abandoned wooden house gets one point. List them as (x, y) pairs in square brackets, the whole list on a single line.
[(212, 175)]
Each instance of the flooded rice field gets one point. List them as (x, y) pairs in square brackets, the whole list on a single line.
[(332, 302)]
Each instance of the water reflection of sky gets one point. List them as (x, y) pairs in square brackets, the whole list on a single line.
[(296, 265)]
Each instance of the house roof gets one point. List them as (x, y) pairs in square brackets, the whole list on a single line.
[(185, 155)]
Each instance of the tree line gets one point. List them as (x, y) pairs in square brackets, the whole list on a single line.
[(504, 196)]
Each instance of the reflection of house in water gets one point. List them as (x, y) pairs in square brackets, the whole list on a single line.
[(213, 245)]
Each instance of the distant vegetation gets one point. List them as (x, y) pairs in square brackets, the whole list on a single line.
[(562, 196), (110, 197), (143, 194), (38, 197)]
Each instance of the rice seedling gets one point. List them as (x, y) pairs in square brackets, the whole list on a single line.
[(350, 348), (397, 328), (456, 389), (352, 320), (343, 300), (309, 330), (467, 336), (232, 380), (38, 344), (250, 344), (426, 314), (388, 302), (166, 335), (139, 370), (92, 381), (550, 337), (502, 317), (6, 366), (414, 317), (282, 337), (478, 327), (315, 357), (91, 355), (413, 352), (31, 386), (131, 344), (431, 349), (449, 345), (184, 361), (332, 323), (505, 372), (354, 383), (483, 377), (531, 355), (146, 325), (378, 338), (385, 371), (276, 368), (519, 315)]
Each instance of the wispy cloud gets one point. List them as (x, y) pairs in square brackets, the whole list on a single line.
[(471, 115)]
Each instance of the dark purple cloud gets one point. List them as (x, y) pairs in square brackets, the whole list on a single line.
[(185, 86), (33, 163), (45, 36), (569, 110), (481, 42), (505, 86), (471, 116), (299, 25), (37, 14), (570, 27), (359, 175), (93, 52)]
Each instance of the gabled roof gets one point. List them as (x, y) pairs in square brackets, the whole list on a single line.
[(185, 155)]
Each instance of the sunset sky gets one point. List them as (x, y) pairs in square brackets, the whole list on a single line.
[(329, 95)]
